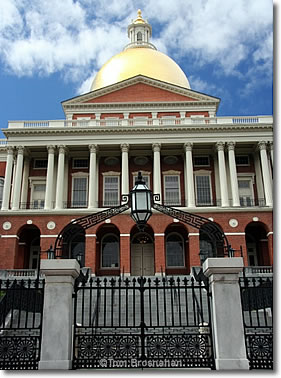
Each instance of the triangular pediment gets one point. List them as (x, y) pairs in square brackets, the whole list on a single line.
[(140, 89)]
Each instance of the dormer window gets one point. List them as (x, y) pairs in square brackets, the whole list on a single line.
[(139, 37)]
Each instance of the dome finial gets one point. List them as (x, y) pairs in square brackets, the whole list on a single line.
[(139, 13), (139, 19)]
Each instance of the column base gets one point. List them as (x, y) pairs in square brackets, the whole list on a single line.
[(55, 365), (231, 364)]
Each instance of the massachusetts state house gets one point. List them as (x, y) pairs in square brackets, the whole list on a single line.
[(140, 114)]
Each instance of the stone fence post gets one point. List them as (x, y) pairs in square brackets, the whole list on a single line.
[(56, 347), (227, 321)]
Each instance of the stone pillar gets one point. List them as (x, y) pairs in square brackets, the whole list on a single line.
[(189, 175), (157, 187), (92, 175), (60, 178), (222, 174), (265, 174), (24, 186), (233, 174), (56, 347), (18, 179), (50, 178), (125, 169), (8, 178), (227, 321)]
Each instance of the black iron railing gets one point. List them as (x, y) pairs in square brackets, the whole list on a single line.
[(257, 307), (21, 311), (142, 322)]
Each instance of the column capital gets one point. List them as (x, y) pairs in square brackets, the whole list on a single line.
[(156, 147), (10, 150), (270, 145), (188, 146), (51, 149), (220, 146), (20, 150), (231, 146), (124, 147), (262, 145), (62, 149), (93, 148)]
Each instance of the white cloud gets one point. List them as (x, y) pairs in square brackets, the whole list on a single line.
[(77, 37)]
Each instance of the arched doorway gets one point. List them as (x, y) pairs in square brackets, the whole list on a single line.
[(28, 255), (77, 247), (257, 244), (142, 253)]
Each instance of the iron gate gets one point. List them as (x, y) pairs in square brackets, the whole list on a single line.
[(257, 306), (21, 309), (142, 322)]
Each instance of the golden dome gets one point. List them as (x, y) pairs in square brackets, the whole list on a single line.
[(140, 61)]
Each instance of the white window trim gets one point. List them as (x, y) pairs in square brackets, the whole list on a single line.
[(201, 165), (2, 180), (202, 172), (247, 177), (144, 173), (101, 244), (36, 181), (183, 252), (81, 158), (80, 175), (107, 174), (172, 173), (34, 160), (243, 165)]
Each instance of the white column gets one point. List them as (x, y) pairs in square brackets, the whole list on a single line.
[(24, 186), (92, 175), (56, 347), (189, 175), (60, 178), (125, 169), (50, 178), (18, 179), (157, 170), (222, 174), (265, 174), (233, 174), (259, 181), (8, 178), (227, 320)]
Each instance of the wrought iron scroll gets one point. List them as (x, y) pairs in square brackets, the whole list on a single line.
[(73, 228), (210, 228)]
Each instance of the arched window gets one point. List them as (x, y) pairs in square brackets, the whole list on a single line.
[(1, 190), (77, 248), (175, 250), (110, 251), (206, 248), (139, 37)]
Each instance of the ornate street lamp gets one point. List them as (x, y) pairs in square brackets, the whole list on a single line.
[(140, 202), (50, 253)]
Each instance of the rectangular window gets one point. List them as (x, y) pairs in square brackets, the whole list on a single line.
[(172, 190), (203, 190), (40, 163), (242, 160), (111, 191), (80, 163), (245, 192), (79, 191), (38, 196), (201, 161)]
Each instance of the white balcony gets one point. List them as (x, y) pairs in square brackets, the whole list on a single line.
[(141, 122)]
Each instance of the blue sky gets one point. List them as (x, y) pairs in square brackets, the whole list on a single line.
[(50, 50)]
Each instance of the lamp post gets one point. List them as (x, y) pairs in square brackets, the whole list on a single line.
[(140, 197)]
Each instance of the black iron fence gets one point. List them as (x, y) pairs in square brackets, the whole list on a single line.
[(21, 311), (142, 322), (257, 306)]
